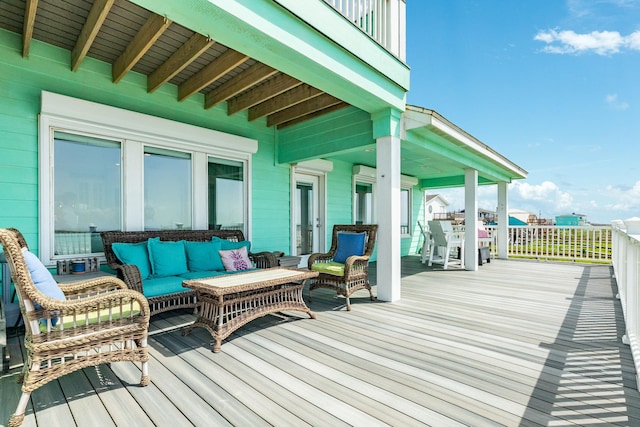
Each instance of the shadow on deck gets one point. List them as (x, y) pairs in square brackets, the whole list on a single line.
[(514, 343)]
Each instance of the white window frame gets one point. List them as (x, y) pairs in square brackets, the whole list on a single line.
[(135, 131), (367, 175)]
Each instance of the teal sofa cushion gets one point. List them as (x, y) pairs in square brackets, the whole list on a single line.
[(228, 245), (193, 275), (167, 258), (162, 286), (203, 256), (134, 253)]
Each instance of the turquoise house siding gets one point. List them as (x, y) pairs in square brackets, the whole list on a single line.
[(23, 79), (21, 82)]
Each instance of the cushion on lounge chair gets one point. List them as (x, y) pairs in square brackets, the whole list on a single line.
[(42, 279), (349, 244), (333, 268)]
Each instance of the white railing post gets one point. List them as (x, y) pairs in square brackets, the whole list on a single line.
[(626, 264), (383, 20)]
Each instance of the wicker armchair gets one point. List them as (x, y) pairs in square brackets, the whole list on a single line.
[(351, 275), (100, 321)]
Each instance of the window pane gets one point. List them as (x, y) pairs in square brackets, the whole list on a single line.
[(226, 195), (87, 192), (364, 203), (404, 211), (167, 189)]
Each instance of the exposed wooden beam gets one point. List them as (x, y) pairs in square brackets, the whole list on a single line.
[(30, 9), (315, 104), (251, 76), (284, 100), (97, 15), (265, 91), (217, 68), (185, 55), (141, 43), (312, 115)]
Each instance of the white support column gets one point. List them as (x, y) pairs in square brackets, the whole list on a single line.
[(470, 218), (503, 221), (387, 130)]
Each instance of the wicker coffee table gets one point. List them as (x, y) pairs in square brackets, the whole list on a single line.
[(225, 303)]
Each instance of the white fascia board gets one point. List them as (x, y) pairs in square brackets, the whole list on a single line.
[(315, 165), (141, 126), (413, 119), (369, 172)]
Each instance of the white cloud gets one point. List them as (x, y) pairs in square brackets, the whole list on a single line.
[(600, 42), (612, 101)]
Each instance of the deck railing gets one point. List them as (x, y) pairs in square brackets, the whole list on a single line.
[(590, 244), (382, 20), (626, 267)]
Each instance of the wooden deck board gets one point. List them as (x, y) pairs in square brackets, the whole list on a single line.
[(514, 343)]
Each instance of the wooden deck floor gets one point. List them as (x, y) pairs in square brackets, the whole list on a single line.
[(515, 344)]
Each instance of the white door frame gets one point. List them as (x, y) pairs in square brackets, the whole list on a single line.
[(300, 171)]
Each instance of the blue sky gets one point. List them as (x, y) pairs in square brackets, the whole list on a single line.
[(553, 85)]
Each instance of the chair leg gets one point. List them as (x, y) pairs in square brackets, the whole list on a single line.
[(348, 304), (18, 417), (145, 380)]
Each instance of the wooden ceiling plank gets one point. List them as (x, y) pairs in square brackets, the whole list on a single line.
[(285, 100), (144, 39), (312, 115), (179, 60), (30, 9), (264, 92), (226, 62), (302, 109), (251, 76), (90, 29)]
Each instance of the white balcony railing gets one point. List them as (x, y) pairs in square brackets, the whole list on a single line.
[(383, 20), (626, 268), (590, 244)]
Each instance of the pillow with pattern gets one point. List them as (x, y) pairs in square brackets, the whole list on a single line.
[(236, 259)]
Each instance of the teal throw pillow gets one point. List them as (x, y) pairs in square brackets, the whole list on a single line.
[(228, 245), (134, 253), (349, 244), (167, 258), (43, 280), (204, 256)]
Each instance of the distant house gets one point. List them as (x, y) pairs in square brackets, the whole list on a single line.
[(518, 217), (572, 219), (434, 204)]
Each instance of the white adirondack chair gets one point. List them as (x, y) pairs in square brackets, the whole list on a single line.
[(445, 240), (426, 242)]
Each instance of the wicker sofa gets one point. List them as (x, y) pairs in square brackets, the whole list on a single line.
[(166, 293)]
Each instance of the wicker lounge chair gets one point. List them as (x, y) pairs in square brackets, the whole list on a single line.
[(100, 321), (344, 276)]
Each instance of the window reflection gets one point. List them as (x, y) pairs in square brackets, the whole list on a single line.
[(167, 189), (87, 192), (364, 203), (226, 194)]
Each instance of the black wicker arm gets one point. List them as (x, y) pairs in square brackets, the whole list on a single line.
[(319, 257), (130, 274), (263, 259)]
